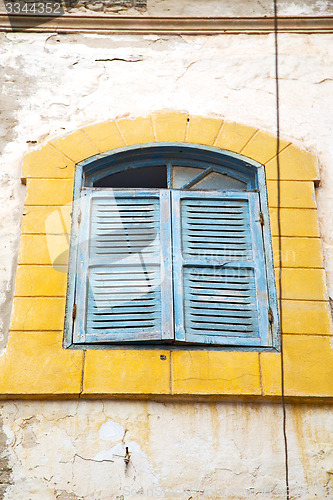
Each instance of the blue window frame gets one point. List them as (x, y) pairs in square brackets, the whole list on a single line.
[(171, 245)]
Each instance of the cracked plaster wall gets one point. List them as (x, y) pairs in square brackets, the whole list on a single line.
[(54, 84), (75, 450), (51, 85), (218, 8)]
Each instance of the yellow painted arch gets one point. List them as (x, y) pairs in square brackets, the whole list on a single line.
[(35, 363)]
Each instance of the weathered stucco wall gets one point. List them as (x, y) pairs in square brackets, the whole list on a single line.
[(218, 8), (71, 450), (53, 84)]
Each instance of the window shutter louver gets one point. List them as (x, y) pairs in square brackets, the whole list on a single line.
[(219, 269), (124, 267)]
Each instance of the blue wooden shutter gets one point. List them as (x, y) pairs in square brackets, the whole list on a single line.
[(219, 269), (124, 288)]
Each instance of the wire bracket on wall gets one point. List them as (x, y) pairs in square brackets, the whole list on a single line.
[(277, 93)]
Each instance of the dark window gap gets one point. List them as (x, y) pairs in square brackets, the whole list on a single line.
[(140, 177)]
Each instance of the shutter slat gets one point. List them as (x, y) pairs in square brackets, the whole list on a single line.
[(204, 308), (220, 288), (215, 301), (124, 267), (122, 284)]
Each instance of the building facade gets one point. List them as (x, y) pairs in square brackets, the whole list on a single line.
[(100, 419)]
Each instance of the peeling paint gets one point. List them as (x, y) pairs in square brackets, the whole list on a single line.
[(237, 453), (5, 469), (54, 84), (111, 431), (182, 70)]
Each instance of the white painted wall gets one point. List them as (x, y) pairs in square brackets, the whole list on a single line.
[(53, 84), (71, 450), (199, 8)]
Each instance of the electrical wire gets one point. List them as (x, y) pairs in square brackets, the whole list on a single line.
[(277, 93)]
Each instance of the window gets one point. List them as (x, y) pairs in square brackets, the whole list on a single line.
[(171, 244)]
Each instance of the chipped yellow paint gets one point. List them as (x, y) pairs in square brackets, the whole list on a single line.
[(215, 372), (306, 317), (126, 372), (77, 146), (293, 194), (38, 313), (262, 147), (234, 136), (49, 192), (105, 135), (51, 245), (270, 371), (308, 367), (40, 248), (41, 288), (203, 130), (169, 126), (48, 162), (36, 364), (295, 222), (136, 131), (44, 281), (35, 219), (303, 284), (298, 252), (295, 164)]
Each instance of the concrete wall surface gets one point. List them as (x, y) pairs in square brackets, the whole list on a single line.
[(75, 450)]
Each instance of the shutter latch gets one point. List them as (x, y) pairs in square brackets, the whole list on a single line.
[(74, 311), (261, 218), (270, 316)]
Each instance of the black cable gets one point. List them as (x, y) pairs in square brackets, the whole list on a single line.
[(277, 90)]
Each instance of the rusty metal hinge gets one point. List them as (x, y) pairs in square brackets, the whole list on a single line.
[(79, 218), (74, 311), (261, 218), (270, 316)]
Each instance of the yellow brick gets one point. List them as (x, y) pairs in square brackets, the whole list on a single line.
[(40, 281), (126, 372), (36, 364), (295, 222), (137, 131), (295, 164), (215, 372), (303, 317), (293, 194), (77, 146), (298, 252), (169, 126), (262, 147), (270, 363), (308, 362), (38, 313), (303, 284), (36, 219), (49, 192), (48, 162), (105, 135), (234, 136), (203, 130), (44, 249)]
